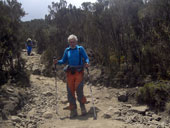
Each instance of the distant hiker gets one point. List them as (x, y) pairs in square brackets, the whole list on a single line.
[(29, 46), (76, 58)]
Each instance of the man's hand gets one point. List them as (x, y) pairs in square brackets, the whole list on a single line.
[(86, 65), (55, 61)]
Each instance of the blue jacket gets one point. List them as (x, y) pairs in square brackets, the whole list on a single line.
[(72, 56), (29, 43)]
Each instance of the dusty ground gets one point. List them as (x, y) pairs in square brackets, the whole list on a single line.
[(47, 97)]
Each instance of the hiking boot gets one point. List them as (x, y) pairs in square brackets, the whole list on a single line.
[(83, 109), (73, 113)]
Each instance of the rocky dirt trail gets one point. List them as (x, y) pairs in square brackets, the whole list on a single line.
[(45, 99)]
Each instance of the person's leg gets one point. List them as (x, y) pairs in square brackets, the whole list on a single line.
[(71, 94), (29, 50), (71, 97), (79, 90)]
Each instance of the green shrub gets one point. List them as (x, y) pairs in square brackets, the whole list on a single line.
[(154, 95)]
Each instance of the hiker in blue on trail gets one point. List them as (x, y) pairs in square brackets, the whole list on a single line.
[(74, 56), (29, 46)]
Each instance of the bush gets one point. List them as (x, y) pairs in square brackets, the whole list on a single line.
[(3, 78), (154, 95)]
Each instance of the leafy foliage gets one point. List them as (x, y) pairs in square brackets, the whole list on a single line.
[(154, 94), (10, 15), (120, 32)]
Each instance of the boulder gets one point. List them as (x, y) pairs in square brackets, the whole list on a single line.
[(36, 72), (139, 109), (122, 96)]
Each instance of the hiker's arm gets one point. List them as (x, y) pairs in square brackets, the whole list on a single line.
[(85, 56), (64, 58)]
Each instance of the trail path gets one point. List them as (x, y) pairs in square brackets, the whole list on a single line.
[(40, 112)]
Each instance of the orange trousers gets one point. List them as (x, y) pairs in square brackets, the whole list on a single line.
[(75, 85)]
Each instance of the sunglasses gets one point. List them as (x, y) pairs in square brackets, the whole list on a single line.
[(72, 42)]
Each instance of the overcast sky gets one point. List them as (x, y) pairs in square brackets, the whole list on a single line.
[(37, 9)]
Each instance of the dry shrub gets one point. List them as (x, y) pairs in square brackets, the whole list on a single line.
[(154, 95)]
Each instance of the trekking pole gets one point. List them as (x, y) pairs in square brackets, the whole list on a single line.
[(55, 73), (94, 110)]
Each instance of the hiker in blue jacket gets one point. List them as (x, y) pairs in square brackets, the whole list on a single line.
[(76, 58), (29, 46)]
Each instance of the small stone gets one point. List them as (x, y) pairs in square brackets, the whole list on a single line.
[(64, 101), (31, 126), (106, 116), (16, 119), (163, 124), (36, 72), (117, 113), (127, 105), (48, 115), (96, 101), (31, 112), (156, 117), (17, 126), (21, 115), (48, 93), (110, 108), (149, 114), (10, 90)]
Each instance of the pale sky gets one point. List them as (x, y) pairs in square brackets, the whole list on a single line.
[(37, 9)]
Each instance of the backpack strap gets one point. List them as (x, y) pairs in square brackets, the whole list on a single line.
[(79, 56)]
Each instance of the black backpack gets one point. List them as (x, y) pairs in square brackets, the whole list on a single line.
[(29, 43)]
